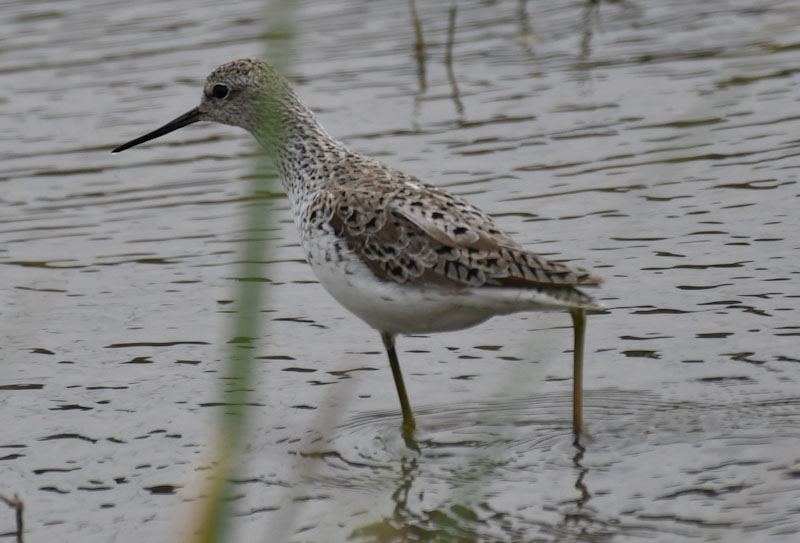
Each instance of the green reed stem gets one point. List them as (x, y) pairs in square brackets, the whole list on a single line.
[(213, 518)]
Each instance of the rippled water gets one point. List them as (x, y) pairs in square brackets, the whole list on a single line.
[(655, 142)]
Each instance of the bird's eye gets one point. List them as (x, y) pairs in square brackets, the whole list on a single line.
[(219, 91)]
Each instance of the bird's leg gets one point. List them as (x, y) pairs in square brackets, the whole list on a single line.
[(409, 424), (579, 328)]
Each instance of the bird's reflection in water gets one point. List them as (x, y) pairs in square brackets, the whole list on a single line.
[(468, 513)]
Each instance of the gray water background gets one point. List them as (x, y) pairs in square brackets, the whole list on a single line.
[(654, 142)]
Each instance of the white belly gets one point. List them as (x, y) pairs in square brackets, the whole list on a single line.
[(399, 308)]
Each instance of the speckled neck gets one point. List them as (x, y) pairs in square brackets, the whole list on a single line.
[(299, 147)]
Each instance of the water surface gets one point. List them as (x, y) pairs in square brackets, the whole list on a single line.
[(655, 142)]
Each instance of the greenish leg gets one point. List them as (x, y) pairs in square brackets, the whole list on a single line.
[(579, 327), (409, 424)]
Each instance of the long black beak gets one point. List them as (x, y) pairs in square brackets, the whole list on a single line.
[(184, 120)]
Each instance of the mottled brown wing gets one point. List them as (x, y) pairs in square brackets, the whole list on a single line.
[(420, 234)]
